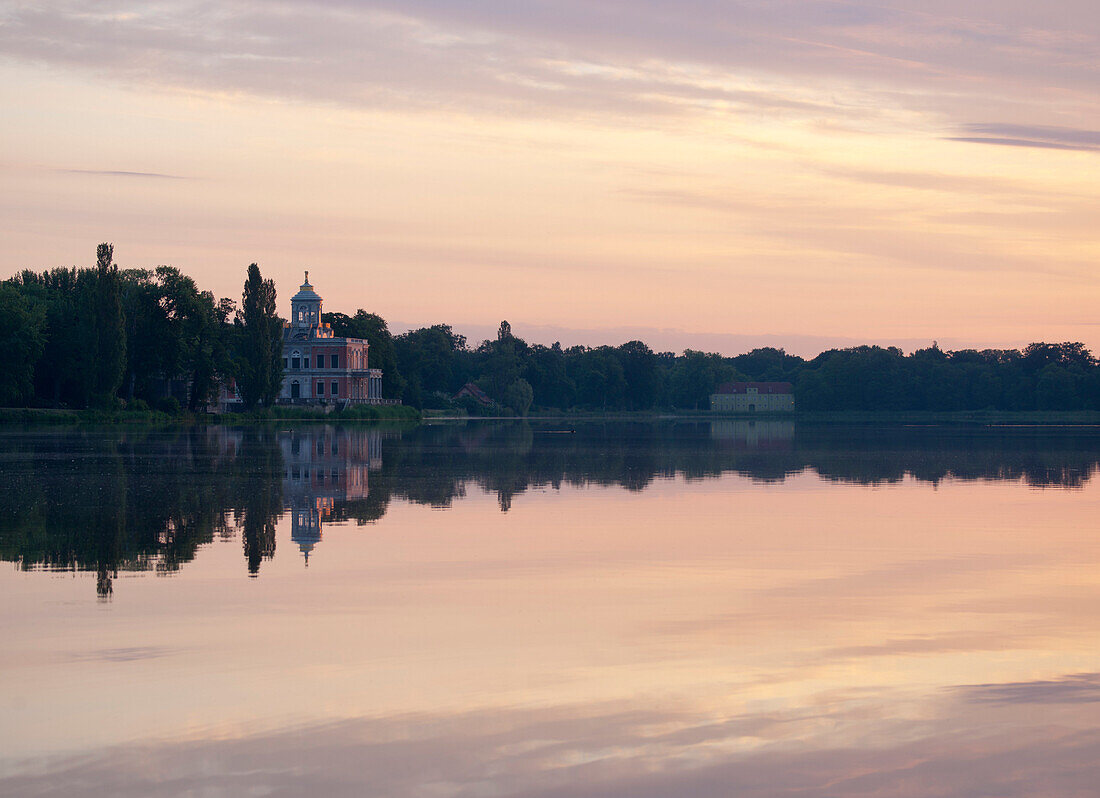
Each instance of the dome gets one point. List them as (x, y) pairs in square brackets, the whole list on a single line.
[(306, 292)]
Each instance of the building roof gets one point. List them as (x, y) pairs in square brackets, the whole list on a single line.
[(469, 389), (761, 387), (305, 291)]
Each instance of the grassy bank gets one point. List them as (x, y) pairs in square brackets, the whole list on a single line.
[(983, 417), (54, 417), (352, 413)]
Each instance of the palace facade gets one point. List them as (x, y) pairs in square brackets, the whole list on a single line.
[(318, 367)]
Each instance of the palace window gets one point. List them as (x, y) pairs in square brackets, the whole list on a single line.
[(320, 361), (336, 361), (335, 387), (295, 360), (320, 389)]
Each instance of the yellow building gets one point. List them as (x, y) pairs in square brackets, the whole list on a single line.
[(753, 397)]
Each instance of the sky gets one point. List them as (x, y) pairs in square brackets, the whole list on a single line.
[(713, 175)]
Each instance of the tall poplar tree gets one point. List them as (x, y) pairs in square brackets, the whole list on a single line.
[(261, 373), (110, 324)]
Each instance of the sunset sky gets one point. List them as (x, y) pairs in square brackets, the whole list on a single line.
[(716, 175)]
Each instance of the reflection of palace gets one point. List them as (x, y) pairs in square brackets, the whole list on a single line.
[(323, 467), (753, 434)]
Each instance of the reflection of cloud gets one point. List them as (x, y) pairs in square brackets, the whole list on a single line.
[(119, 173), (130, 654), (850, 749), (832, 601)]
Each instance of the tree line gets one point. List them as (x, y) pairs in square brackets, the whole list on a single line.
[(103, 336), (425, 367)]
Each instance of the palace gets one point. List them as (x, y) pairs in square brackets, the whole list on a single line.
[(319, 368)]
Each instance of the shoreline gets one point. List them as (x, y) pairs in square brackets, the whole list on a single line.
[(401, 413)]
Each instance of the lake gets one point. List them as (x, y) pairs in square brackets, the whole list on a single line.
[(726, 608)]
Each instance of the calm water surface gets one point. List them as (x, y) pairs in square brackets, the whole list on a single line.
[(495, 609)]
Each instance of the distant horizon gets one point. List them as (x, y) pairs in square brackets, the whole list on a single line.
[(671, 340), (659, 339)]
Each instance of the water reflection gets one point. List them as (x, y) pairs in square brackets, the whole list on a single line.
[(110, 501), (603, 610), (753, 434), (322, 468)]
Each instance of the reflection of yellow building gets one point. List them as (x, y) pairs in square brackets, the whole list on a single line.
[(323, 467), (753, 434)]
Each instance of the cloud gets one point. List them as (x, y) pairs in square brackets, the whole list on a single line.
[(647, 58), (1073, 688), (1056, 135), (1004, 142), (980, 185), (1039, 136)]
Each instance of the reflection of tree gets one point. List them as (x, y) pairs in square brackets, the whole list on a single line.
[(140, 500), (125, 501), (434, 464), (108, 527), (263, 498)]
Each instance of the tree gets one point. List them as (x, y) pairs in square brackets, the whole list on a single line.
[(259, 371), (545, 372), (518, 396), (639, 369), (381, 352), (150, 350), (21, 340), (695, 377), (598, 375), (1056, 389), (196, 333), (427, 359), (65, 370), (110, 324), (501, 362)]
